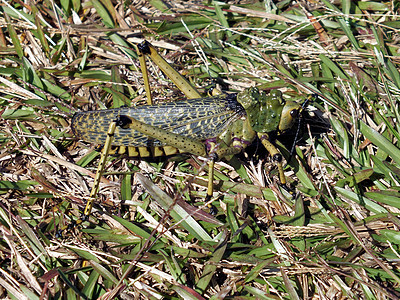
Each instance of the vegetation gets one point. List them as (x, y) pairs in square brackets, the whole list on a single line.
[(337, 237)]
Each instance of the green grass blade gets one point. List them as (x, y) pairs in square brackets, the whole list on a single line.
[(178, 213), (381, 142)]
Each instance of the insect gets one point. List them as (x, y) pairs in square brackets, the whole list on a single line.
[(216, 127)]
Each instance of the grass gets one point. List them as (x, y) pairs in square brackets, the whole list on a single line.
[(337, 238)]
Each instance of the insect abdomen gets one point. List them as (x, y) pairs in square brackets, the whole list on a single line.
[(145, 152)]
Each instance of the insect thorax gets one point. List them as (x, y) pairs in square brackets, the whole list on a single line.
[(263, 111)]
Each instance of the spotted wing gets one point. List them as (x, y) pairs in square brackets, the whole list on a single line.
[(199, 119)]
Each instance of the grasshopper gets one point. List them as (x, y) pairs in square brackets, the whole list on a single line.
[(216, 127)]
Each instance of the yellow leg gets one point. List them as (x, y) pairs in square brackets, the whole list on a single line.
[(215, 153), (100, 169), (96, 183), (276, 156), (143, 68), (177, 79), (210, 187), (183, 143)]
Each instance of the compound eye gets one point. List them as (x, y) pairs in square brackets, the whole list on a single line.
[(294, 113)]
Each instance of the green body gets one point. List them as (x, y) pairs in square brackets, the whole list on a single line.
[(234, 122)]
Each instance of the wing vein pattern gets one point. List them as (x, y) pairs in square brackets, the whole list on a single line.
[(200, 119)]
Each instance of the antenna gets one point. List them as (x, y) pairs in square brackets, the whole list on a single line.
[(303, 106)]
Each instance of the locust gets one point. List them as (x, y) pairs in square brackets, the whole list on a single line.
[(216, 127)]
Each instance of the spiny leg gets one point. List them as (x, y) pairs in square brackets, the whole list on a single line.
[(210, 186), (96, 183), (211, 145), (181, 142), (215, 152), (276, 156), (147, 49), (145, 74), (185, 144), (100, 169)]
